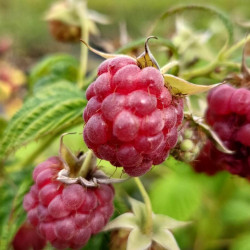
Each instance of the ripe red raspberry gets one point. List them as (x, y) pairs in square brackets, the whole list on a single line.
[(66, 214), (131, 117), (27, 238), (227, 113)]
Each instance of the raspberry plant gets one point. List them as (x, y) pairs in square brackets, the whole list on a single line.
[(132, 118)]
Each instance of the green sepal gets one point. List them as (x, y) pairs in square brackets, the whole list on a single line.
[(139, 211), (71, 162), (211, 135), (179, 86), (166, 239), (166, 222), (134, 221), (137, 240), (127, 220)]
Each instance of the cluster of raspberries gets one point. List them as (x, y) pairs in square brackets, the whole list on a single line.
[(66, 215), (131, 117), (228, 114)]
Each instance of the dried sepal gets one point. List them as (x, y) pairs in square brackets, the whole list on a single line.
[(209, 133), (146, 59), (82, 168), (181, 87), (70, 161), (94, 179), (102, 54)]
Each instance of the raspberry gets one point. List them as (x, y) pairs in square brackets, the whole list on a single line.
[(66, 214), (27, 238), (131, 117), (227, 113)]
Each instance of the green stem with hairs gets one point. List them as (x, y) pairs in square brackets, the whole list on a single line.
[(82, 13), (149, 220), (236, 46), (86, 166), (200, 72)]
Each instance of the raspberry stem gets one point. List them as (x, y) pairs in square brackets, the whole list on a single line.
[(82, 12), (86, 166), (147, 229), (236, 46)]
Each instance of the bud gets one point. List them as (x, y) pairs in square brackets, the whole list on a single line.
[(190, 142), (65, 19)]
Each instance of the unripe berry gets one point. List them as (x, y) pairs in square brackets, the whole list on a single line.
[(187, 145)]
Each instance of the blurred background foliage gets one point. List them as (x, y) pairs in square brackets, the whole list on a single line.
[(23, 21), (218, 206)]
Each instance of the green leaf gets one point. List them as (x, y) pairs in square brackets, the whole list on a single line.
[(179, 86), (52, 109), (3, 125), (166, 239), (176, 195), (16, 215), (98, 241), (47, 80), (138, 240), (236, 212), (61, 66), (241, 243)]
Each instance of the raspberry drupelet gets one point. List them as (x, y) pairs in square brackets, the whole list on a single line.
[(131, 117)]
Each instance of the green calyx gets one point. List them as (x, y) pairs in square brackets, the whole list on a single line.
[(82, 168), (162, 226)]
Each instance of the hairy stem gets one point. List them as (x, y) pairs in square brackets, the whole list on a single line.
[(200, 72), (149, 220), (236, 46)]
